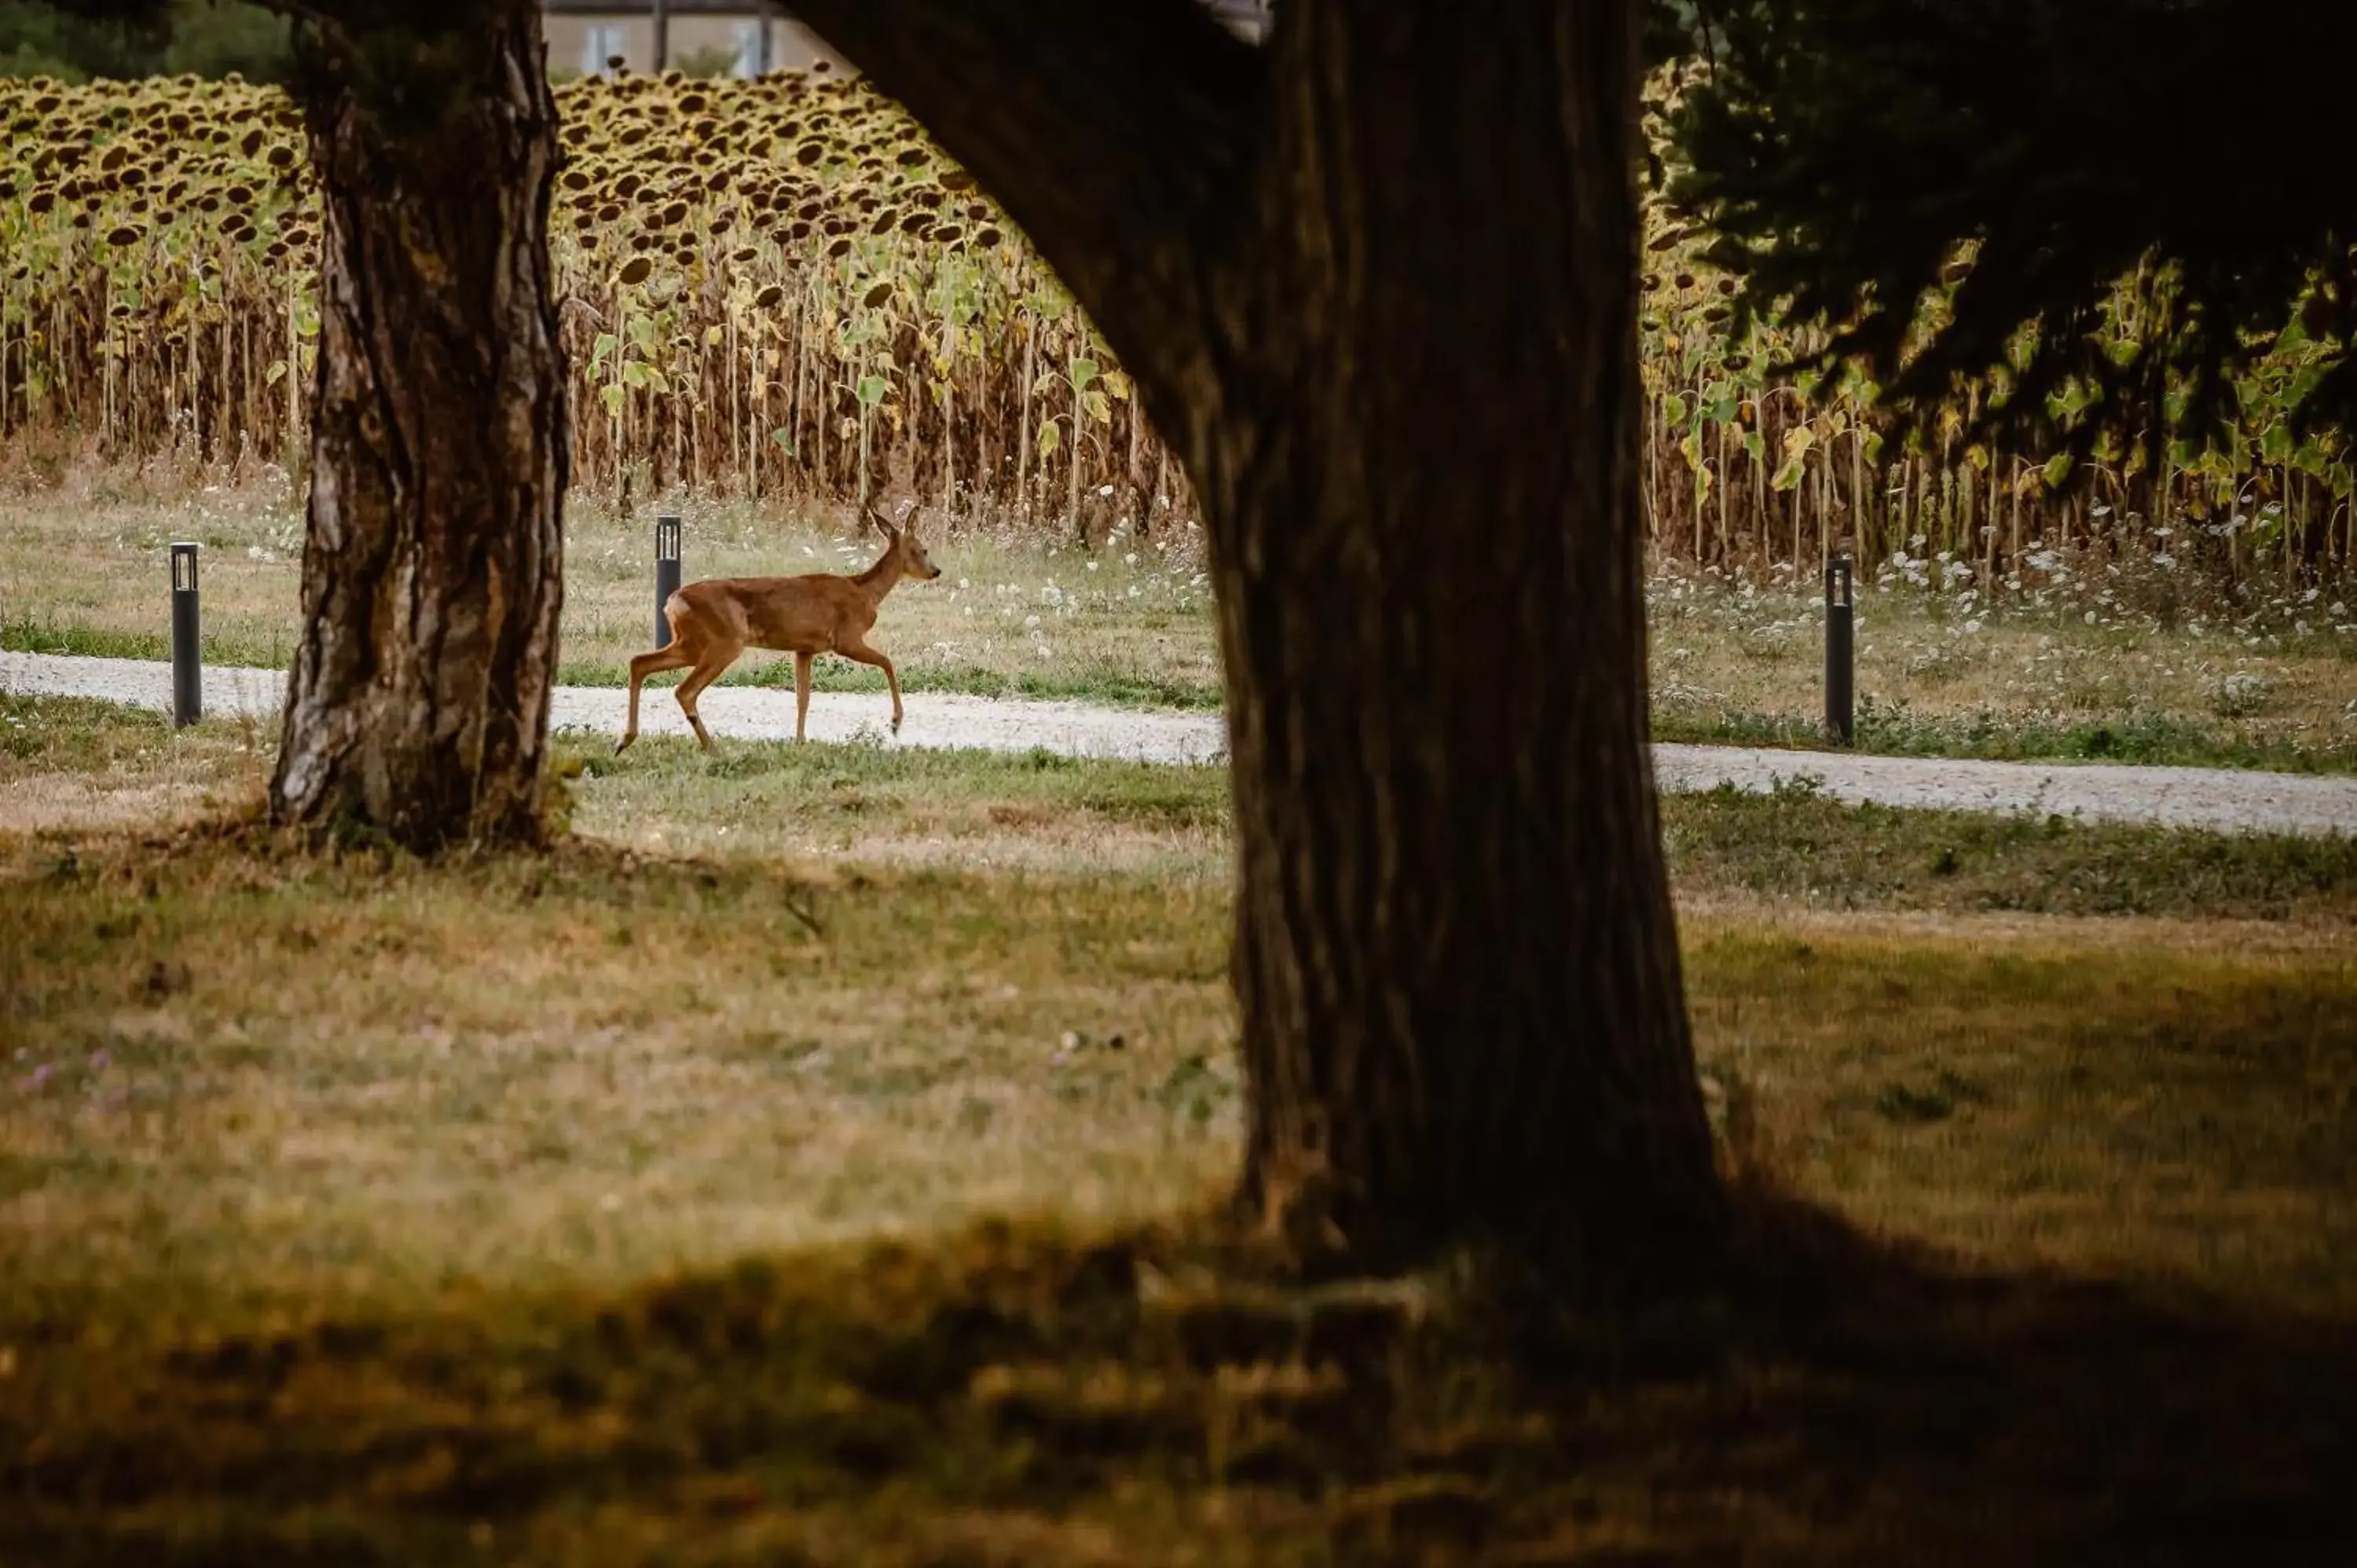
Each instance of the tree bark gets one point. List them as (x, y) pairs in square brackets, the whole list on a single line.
[(432, 565), (1394, 337)]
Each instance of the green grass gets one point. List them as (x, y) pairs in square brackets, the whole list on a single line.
[(815, 805), (26, 634), (1996, 736), (1796, 847)]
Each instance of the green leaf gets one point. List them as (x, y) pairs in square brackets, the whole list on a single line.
[(2212, 464), (611, 395), (872, 390), (607, 343), (2057, 470), (2275, 446), (1788, 477), (1051, 435), (1084, 374), (1098, 408), (1673, 410), (1755, 446)]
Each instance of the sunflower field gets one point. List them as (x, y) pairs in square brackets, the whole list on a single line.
[(781, 288)]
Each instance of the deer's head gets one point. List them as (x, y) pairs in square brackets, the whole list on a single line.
[(903, 537)]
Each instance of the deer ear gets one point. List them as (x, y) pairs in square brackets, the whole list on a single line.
[(882, 522)]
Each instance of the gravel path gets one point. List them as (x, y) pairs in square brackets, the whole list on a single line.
[(2178, 797)]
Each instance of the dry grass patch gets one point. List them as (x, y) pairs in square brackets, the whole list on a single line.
[(355, 1210), (68, 766), (348, 1075), (238, 1068)]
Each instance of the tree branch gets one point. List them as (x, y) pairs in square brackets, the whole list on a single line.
[(1841, 149), (1117, 133)]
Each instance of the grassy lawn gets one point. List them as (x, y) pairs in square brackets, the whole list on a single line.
[(2069, 671), (797, 1166)]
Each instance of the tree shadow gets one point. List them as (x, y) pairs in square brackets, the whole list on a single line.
[(1862, 1401), (1019, 1397)]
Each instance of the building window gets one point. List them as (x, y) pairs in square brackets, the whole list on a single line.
[(752, 49), (604, 42)]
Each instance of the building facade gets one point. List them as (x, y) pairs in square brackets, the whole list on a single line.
[(742, 37), (746, 37)]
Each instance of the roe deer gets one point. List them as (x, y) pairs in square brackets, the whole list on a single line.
[(714, 621)]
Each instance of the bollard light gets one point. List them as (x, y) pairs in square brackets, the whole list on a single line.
[(1841, 664), (188, 661), (667, 549)]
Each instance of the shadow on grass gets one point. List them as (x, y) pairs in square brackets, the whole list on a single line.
[(1014, 1397)]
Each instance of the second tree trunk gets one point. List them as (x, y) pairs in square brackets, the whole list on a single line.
[(432, 566)]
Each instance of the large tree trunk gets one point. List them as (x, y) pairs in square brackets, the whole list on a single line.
[(1393, 331), (1455, 955), (432, 563)]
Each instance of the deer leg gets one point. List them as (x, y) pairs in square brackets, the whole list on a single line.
[(866, 655), (707, 670), (801, 692), (644, 665)]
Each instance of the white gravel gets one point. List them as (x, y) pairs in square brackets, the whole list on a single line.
[(2223, 800)]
